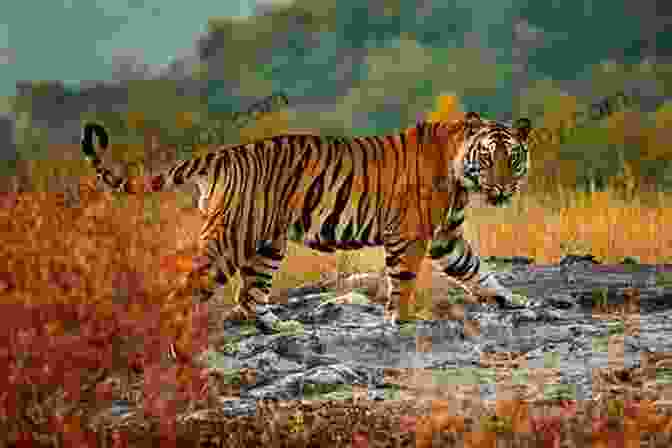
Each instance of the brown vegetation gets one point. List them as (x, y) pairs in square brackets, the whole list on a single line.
[(84, 255), (52, 254)]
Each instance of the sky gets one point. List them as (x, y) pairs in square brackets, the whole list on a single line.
[(93, 31), (348, 67), (372, 65)]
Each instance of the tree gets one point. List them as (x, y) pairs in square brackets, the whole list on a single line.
[(267, 125), (448, 108)]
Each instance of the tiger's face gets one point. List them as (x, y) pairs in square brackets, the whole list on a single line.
[(496, 158)]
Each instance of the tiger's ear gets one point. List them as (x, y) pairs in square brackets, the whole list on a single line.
[(523, 127), (472, 122)]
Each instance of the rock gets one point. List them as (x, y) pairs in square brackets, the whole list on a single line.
[(561, 301), (345, 344)]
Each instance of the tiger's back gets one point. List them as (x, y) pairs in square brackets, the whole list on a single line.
[(325, 192)]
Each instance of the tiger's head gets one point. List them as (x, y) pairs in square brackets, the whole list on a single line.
[(495, 158)]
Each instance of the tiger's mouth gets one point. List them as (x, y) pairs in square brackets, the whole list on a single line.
[(495, 196)]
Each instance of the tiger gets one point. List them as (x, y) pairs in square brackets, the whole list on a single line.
[(406, 192)]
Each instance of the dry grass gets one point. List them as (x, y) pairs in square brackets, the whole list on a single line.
[(601, 223), (104, 238)]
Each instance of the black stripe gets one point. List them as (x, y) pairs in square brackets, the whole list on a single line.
[(454, 224), (391, 261), (335, 146), (328, 228), (195, 163), (206, 165), (269, 186), (230, 267), (290, 183), (247, 181), (389, 150), (363, 208), (177, 172), (403, 276), (460, 266), (476, 263), (440, 249), (379, 156), (217, 171), (365, 232), (314, 194), (248, 271), (232, 178)]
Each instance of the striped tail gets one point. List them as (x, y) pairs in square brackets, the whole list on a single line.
[(108, 178), (163, 181)]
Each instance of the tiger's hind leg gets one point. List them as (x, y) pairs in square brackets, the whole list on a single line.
[(257, 279), (402, 261), (257, 274)]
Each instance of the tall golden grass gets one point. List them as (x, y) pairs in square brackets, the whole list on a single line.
[(550, 218), (600, 223), (101, 239), (545, 222)]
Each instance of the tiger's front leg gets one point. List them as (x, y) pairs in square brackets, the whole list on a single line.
[(452, 254), (402, 262)]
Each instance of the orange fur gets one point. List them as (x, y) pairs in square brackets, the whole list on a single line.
[(411, 187)]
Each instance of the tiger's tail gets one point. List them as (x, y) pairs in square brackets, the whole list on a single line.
[(109, 179), (87, 142), (178, 174)]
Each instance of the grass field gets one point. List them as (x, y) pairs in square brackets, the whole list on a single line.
[(107, 235), (110, 248)]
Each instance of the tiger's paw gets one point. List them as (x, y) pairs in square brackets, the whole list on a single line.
[(265, 319), (391, 316), (238, 314), (408, 318), (513, 301), (504, 298)]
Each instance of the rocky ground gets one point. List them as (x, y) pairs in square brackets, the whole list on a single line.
[(555, 348), (346, 342)]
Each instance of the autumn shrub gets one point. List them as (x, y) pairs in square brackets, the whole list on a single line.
[(80, 293)]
